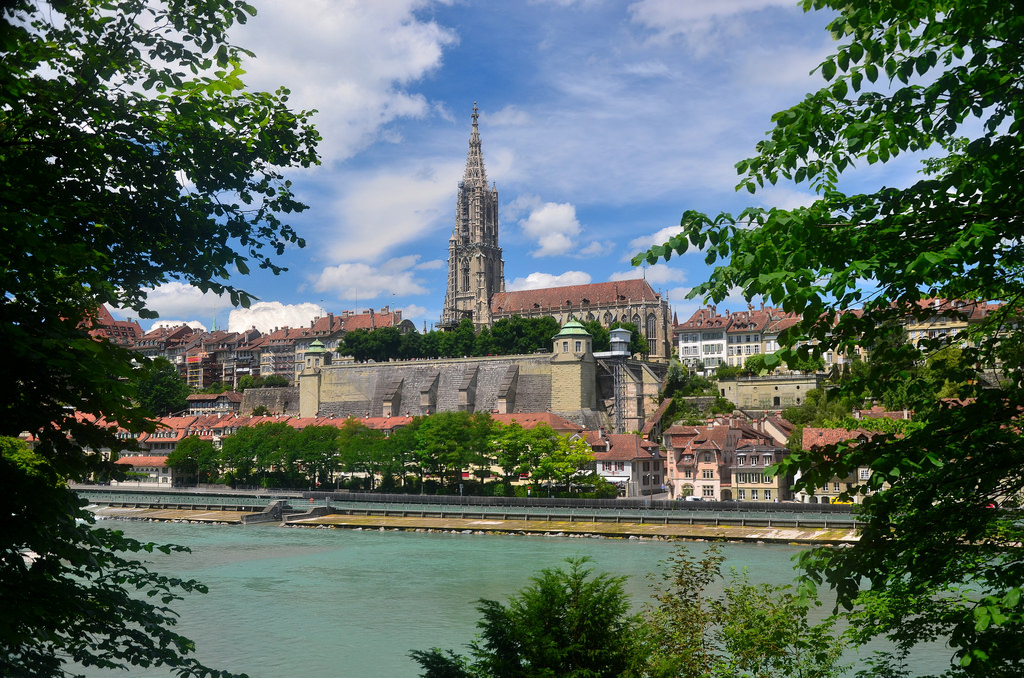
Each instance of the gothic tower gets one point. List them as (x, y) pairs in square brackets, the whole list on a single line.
[(475, 267)]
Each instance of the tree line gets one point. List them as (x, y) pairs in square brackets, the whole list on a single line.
[(431, 454), (508, 336)]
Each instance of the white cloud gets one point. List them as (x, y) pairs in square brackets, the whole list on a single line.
[(659, 237), (659, 274), (410, 311), (178, 300), (432, 265), (381, 211), (555, 228), (669, 18), (352, 61), (511, 116), (536, 281), (785, 197), (266, 315), (365, 282)]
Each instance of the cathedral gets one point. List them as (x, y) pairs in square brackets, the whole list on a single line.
[(476, 274)]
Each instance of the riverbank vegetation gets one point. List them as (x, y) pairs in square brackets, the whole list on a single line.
[(941, 81), (572, 623), (444, 453)]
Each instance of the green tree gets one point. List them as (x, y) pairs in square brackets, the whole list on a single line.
[(567, 623), (159, 387), (106, 112), (449, 442), (194, 458), (363, 450), (564, 460), (318, 451), (761, 631), (945, 79), (55, 624), (602, 340)]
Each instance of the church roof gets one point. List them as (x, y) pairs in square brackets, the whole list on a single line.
[(581, 297)]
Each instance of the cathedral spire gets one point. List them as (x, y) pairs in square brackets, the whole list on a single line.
[(476, 270), (475, 174)]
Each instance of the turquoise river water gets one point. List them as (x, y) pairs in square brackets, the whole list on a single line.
[(318, 602)]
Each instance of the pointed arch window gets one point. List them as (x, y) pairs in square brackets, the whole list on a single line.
[(465, 276), (651, 329)]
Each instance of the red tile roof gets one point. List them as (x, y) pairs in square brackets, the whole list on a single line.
[(575, 296), (821, 437), (533, 419)]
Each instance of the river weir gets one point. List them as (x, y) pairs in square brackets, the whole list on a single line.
[(725, 521)]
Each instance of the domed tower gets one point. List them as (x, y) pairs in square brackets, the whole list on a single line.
[(475, 267), (573, 370)]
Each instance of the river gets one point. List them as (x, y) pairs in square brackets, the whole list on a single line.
[(320, 602)]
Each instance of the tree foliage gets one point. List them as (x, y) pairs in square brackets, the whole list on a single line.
[(130, 156), (159, 387), (194, 458), (944, 79), (761, 631), (567, 623)]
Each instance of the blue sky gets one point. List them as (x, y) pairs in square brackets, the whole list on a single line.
[(601, 122)]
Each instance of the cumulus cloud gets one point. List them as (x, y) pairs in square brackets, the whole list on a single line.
[(358, 281), (415, 311), (659, 237), (536, 281), (354, 62), (554, 226), (659, 274), (178, 300), (266, 315), (556, 230)]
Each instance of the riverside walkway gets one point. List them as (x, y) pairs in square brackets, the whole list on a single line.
[(658, 520)]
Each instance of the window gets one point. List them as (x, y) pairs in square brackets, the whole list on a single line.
[(579, 346), (565, 347), (767, 495), (739, 460), (835, 487), (620, 466), (708, 474), (647, 466), (754, 460), (865, 474), (688, 474), (753, 495), (741, 494), (707, 456), (708, 490), (767, 460), (657, 479)]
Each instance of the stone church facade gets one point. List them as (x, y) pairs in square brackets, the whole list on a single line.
[(476, 270), (476, 275)]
